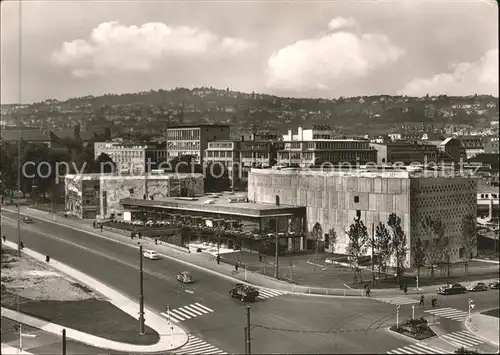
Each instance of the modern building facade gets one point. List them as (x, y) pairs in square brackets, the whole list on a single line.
[(193, 139), (334, 151), (473, 145), (335, 198), (405, 152), (99, 195), (132, 157)]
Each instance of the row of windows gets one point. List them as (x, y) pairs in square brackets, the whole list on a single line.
[(195, 145), (488, 195), (183, 134), (219, 154)]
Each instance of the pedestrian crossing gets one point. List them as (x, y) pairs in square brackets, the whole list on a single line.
[(196, 345), (398, 300), (184, 313), (450, 313), (418, 348), (462, 338), (265, 293)]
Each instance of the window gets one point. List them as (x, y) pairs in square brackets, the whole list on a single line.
[(356, 199), (131, 191), (358, 213)]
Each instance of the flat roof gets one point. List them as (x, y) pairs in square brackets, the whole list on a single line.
[(197, 125), (111, 176), (220, 205)]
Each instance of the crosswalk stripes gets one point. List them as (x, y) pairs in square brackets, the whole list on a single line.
[(462, 338), (397, 300), (450, 313), (265, 293), (196, 345), (187, 312), (418, 348)]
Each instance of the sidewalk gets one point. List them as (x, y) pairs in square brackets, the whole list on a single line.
[(9, 350), (207, 263), (170, 337), (485, 327)]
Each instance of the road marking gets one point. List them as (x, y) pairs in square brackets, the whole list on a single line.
[(450, 313), (189, 291), (396, 300), (196, 345), (462, 338), (418, 348), (187, 312)]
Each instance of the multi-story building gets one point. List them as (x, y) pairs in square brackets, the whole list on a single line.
[(193, 139), (90, 196), (491, 145), (317, 132), (334, 198), (319, 151), (131, 156), (405, 152), (473, 145)]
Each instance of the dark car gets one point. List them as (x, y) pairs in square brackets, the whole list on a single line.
[(244, 292), (478, 286), (494, 285), (185, 277), (451, 289), (27, 220)]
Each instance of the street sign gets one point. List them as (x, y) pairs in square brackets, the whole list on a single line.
[(398, 306)]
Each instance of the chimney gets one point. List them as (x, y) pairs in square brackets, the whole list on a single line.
[(76, 132), (277, 200), (242, 138)]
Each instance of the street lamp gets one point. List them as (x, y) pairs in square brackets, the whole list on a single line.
[(471, 306), (397, 316)]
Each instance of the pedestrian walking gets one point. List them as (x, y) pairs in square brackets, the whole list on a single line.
[(433, 302), (421, 303), (236, 266), (101, 227), (4, 238), (21, 245), (217, 258), (260, 258), (93, 224), (405, 288)]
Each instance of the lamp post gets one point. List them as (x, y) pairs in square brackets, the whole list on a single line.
[(276, 254), (412, 311), (141, 295), (397, 316)]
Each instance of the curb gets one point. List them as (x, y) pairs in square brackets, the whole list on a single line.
[(469, 326), (199, 267), (72, 333)]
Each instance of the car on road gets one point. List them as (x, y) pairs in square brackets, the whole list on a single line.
[(494, 285), (477, 286), (151, 254), (184, 277), (451, 289), (244, 293), (28, 220)]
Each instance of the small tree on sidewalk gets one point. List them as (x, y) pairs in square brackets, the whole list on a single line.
[(469, 239), (317, 235), (398, 244), (357, 246), (418, 255), (333, 239), (382, 247)]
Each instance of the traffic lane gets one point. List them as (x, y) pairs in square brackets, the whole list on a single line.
[(206, 284), (118, 275), (482, 300)]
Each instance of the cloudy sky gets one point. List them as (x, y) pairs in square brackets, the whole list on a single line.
[(60, 49)]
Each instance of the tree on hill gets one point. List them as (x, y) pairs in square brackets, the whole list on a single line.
[(103, 164), (357, 246)]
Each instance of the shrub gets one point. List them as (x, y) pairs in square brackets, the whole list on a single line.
[(463, 350)]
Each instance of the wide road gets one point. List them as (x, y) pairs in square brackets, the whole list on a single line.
[(281, 324)]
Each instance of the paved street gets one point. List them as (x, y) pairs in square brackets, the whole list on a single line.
[(282, 323)]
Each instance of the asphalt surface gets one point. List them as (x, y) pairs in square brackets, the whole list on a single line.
[(282, 324)]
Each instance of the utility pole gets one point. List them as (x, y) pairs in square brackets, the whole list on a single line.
[(276, 271), (141, 297), (246, 340), (64, 342), (18, 191), (249, 339)]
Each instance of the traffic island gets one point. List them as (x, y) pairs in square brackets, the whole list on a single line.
[(463, 350), (417, 329), (33, 288)]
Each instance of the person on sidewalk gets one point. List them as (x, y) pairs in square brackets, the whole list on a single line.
[(4, 238), (217, 258), (93, 224), (421, 303), (405, 289), (101, 227), (236, 266)]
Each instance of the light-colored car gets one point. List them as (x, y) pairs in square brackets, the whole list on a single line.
[(329, 261), (477, 286), (28, 220), (151, 254), (184, 277)]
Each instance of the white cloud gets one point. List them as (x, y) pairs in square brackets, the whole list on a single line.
[(330, 61), (112, 46), (479, 77), (341, 22)]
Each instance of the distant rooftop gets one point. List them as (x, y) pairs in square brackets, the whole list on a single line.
[(122, 176), (197, 125)]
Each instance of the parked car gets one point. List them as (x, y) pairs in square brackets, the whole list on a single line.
[(477, 286), (28, 220), (244, 292), (184, 277), (451, 289), (494, 285), (151, 254)]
